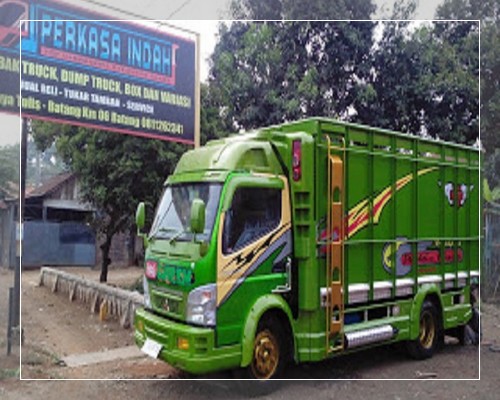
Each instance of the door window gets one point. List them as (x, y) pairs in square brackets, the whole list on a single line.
[(254, 213)]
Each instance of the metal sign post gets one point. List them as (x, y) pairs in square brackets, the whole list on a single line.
[(19, 233)]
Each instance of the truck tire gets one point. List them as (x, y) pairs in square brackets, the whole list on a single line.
[(425, 345), (472, 331), (270, 352)]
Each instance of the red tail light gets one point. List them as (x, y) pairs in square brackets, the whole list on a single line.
[(296, 160), (151, 269)]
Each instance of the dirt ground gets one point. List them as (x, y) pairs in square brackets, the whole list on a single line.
[(54, 328)]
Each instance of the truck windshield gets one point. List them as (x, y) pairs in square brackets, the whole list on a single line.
[(172, 220)]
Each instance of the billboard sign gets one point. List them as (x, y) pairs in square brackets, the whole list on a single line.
[(82, 68)]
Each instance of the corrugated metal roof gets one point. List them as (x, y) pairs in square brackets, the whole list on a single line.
[(51, 185)]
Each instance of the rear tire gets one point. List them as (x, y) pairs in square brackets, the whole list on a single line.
[(472, 330), (425, 345)]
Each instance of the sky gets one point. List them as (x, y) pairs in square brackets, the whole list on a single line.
[(200, 16)]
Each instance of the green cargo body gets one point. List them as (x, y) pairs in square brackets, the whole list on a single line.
[(374, 226)]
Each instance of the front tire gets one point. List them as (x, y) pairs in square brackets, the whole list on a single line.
[(270, 351), (425, 345), (270, 356), (267, 357)]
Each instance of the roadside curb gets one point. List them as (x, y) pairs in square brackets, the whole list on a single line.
[(122, 353), (101, 298)]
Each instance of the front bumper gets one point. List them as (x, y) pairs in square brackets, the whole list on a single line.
[(201, 357)]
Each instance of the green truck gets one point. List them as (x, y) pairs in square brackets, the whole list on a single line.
[(307, 240)]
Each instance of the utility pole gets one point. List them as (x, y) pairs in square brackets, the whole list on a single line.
[(19, 238), (14, 320)]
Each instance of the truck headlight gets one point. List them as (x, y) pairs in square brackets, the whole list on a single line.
[(201, 305), (147, 297)]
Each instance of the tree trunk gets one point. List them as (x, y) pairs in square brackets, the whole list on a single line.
[(105, 247)]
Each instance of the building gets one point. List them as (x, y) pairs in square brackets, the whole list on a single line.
[(56, 228), (8, 218)]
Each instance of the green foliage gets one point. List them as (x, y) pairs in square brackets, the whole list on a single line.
[(301, 10), (212, 126), (488, 11), (268, 73), (490, 195), (487, 191), (42, 165), (404, 9), (425, 81), (116, 172), (485, 10), (418, 79), (9, 172)]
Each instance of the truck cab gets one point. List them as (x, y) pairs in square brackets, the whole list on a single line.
[(218, 257)]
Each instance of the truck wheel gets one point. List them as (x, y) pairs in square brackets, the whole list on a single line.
[(424, 346), (270, 352), (472, 331)]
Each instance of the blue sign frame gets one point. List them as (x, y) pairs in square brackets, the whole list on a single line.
[(86, 69)]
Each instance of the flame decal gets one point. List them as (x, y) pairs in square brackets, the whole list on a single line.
[(359, 216)]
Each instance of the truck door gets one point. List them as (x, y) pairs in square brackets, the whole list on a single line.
[(255, 234)]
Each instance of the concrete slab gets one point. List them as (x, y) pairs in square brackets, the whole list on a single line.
[(122, 353)]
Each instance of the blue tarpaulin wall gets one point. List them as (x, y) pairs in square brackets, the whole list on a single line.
[(52, 243)]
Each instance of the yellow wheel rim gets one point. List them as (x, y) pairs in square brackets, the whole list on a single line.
[(427, 330), (266, 355)]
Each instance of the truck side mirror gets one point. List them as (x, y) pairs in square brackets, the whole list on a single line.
[(197, 216), (140, 216)]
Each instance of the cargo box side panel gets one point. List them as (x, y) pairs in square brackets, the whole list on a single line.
[(358, 186), (383, 217), (429, 218)]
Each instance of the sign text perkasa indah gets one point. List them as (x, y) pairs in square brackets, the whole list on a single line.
[(111, 75)]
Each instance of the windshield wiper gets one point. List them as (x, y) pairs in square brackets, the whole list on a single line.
[(173, 239), (164, 230), (161, 221)]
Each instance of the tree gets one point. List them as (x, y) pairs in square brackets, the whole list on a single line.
[(268, 73), (42, 165), (420, 79), (116, 172), (488, 11), (212, 125), (416, 79), (301, 10), (424, 81), (9, 172)]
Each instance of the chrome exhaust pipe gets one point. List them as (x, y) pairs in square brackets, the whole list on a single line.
[(369, 336)]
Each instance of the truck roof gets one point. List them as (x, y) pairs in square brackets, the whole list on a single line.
[(253, 151), (315, 125), (245, 152)]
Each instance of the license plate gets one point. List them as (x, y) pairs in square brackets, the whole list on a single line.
[(151, 348)]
